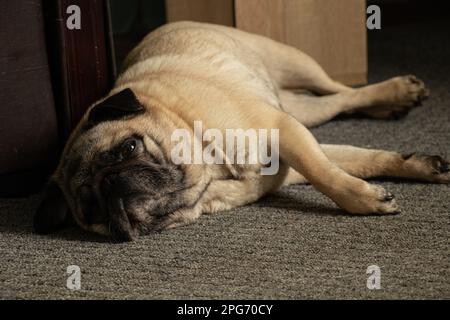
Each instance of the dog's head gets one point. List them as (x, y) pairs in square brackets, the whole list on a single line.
[(115, 176)]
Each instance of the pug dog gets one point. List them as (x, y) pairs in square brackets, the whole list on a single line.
[(116, 176)]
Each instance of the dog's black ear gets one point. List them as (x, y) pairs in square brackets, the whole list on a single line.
[(53, 213), (118, 106)]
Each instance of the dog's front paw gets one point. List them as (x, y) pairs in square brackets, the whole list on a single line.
[(368, 199), (431, 168)]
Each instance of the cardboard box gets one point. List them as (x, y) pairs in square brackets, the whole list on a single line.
[(332, 32), (213, 11)]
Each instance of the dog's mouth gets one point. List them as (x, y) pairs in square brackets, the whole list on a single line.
[(121, 221), (102, 209), (127, 204), (120, 216), (123, 225)]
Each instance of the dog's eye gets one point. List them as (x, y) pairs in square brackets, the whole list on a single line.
[(127, 148)]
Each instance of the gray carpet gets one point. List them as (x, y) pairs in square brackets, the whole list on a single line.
[(294, 244)]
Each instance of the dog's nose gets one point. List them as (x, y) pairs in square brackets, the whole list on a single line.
[(110, 184), (116, 185)]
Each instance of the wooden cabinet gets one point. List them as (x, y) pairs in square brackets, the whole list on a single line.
[(213, 11), (333, 32)]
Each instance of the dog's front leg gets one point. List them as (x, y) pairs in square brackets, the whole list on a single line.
[(300, 150)]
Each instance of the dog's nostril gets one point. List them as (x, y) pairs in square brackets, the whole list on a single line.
[(111, 186), (85, 192), (108, 183)]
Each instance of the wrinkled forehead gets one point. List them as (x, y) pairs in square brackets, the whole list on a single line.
[(100, 138), (103, 125), (87, 144)]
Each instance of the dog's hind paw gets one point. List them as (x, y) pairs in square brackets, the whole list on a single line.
[(411, 91), (431, 168), (401, 94)]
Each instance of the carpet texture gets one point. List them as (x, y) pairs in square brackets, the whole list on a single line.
[(294, 244)]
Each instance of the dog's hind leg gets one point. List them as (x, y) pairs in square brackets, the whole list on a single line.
[(382, 99), (288, 67), (292, 70), (369, 163), (312, 111)]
